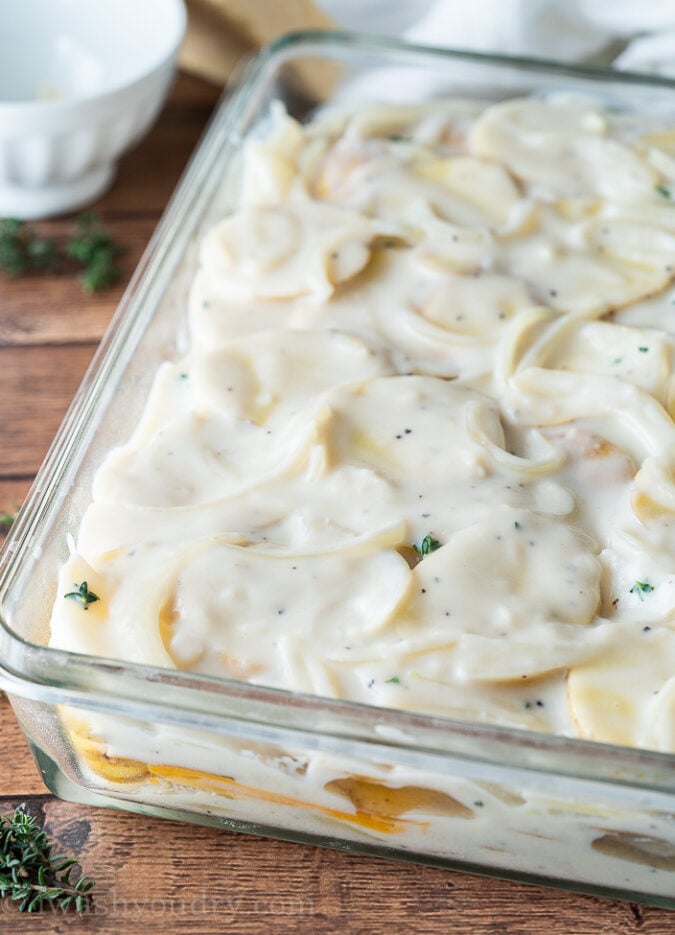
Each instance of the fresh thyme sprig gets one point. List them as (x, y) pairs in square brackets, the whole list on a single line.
[(22, 252), (31, 875)]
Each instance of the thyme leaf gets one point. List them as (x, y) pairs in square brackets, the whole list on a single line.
[(83, 595), (641, 588), (427, 545)]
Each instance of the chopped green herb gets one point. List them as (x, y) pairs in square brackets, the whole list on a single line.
[(662, 190), (428, 544), (641, 588), (394, 680), (83, 595), (31, 875), (517, 525), (398, 138), (643, 349), (479, 804), (617, 360)]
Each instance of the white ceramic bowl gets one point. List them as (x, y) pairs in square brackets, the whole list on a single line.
[(80, 81)]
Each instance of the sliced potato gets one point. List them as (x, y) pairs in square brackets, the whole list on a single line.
[(483, 184), (612, 696), (280, 252), (273, 373)]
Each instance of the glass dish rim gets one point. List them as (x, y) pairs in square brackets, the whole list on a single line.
[(55, 676)]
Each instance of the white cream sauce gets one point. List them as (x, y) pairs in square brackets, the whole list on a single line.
[(450, 325)]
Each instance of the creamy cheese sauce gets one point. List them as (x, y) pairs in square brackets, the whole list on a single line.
[(448, 328)]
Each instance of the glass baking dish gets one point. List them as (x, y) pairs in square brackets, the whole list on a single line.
[(513, 803)]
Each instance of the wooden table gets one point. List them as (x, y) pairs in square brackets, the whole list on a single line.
[(163, 876)]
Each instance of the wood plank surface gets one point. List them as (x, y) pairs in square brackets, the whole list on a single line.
[(47, 310), (36, 383), (161, 876)]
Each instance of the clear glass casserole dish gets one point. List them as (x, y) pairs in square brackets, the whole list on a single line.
[(489, 799)]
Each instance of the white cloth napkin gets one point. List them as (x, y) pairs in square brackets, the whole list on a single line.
[(632, 34)]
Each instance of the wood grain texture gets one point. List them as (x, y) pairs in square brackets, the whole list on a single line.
[(12, 494), (160, 876), (54, 309), (36, 385), (18, 772)]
